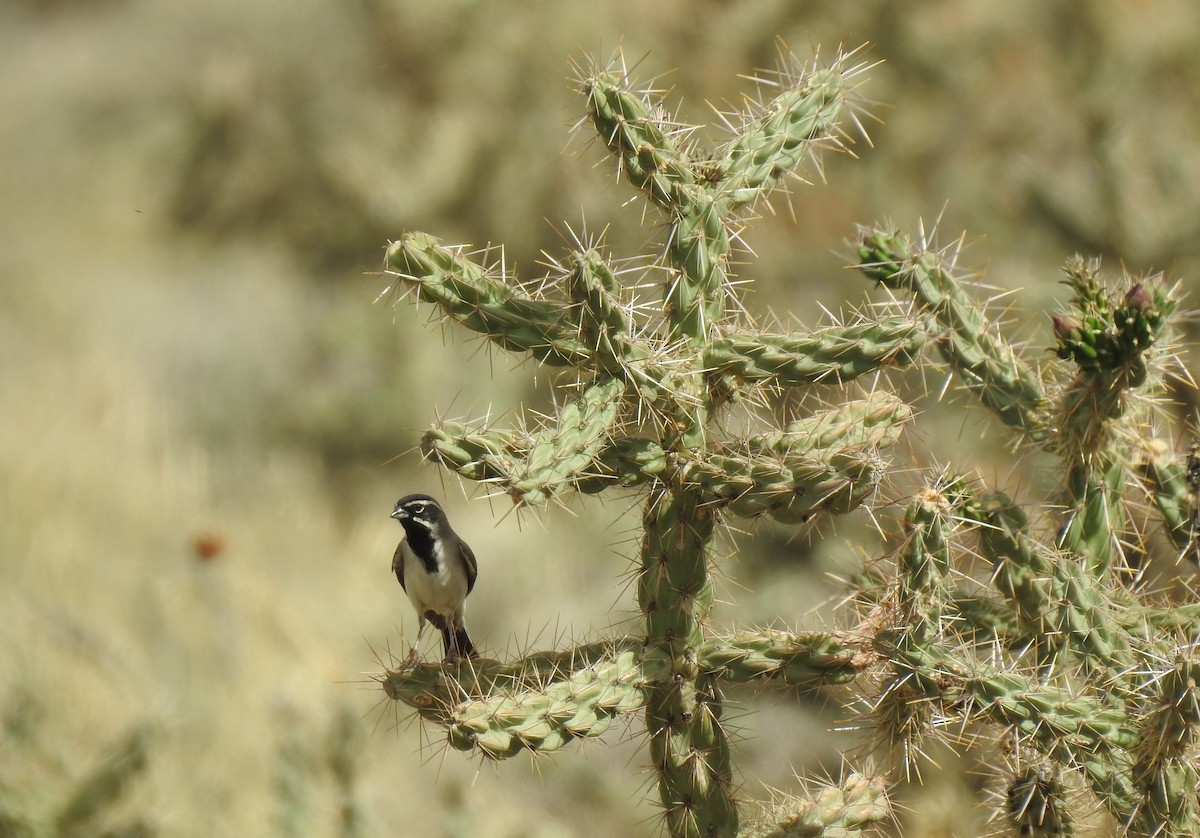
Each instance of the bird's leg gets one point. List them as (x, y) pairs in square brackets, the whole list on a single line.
[(449, 644), (455, 639), (414, 653)]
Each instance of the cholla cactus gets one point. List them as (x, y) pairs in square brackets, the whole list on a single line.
[(1054, 646)]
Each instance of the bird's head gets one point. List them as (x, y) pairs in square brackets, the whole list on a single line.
[(418, 510)]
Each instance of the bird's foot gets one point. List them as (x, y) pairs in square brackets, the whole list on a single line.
[(413, 656), (455, 658)]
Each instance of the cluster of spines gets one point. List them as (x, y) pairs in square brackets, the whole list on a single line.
[(1036, 804)]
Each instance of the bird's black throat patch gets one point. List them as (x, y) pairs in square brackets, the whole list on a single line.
[(421, 540)]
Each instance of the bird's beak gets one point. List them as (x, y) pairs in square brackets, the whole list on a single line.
[(399, 514)]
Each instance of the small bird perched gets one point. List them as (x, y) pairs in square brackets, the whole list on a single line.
[(437, 570)]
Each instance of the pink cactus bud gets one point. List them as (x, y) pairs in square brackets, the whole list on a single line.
[(1064, 327), (1139, 297)]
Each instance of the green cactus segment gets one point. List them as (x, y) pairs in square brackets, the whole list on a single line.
[(689, 748), (807, 659), (486, 304), (544, 700), (1037, 805), (1109, 334), (432, 687), (1165, 769), (593, 285), (1021, 570), (638, 133), (674, 588), (635, 130), (1183, 619), (1088, 732), (832, 355), (993, 618), (790, 488), (564, 451), (1086, 618), (1096, 514), (605, 321), (780, 135), (538, 703), (475, 454), (989, 367), (1056, 600), (582, 705), (903, 718), (1170, 808), (698, 247), (1166, 476), (501, 457), (1106, 334), (924, 562), (873, 422), (792, 477), (984, 619), (626, 461), (840, 811)]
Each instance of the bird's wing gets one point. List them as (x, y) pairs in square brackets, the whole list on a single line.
[(398, 564), (472, 565)]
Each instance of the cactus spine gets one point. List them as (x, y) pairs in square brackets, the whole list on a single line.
[(1092, 680)]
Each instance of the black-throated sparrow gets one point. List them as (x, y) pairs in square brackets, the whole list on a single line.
[(437, 570)]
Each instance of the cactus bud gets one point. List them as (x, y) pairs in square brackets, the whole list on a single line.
[(1138, 297), (1065, 328)]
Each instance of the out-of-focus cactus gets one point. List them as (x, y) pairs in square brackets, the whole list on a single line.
[(1052, 642), (94, 803), (1087, 672)]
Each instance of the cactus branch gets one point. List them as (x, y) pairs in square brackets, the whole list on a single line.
[(485, 303), (846, 809), (563, 452), (1166, 477), (988, 367), (689, 748), (835, 355)]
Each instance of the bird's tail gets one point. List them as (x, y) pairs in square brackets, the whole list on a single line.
[(457, 643)]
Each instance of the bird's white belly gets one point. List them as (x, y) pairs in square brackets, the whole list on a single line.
[(441, 592)]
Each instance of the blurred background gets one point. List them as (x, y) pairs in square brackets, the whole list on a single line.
[(207, 415)]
